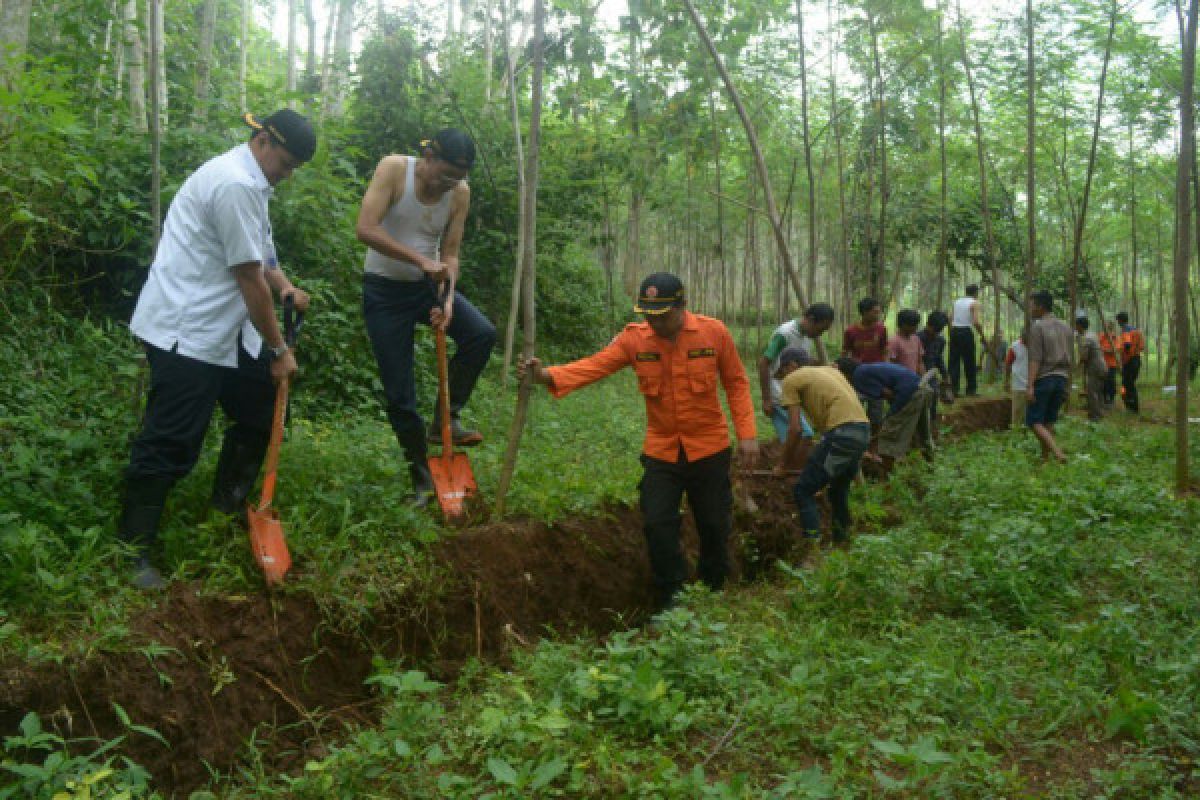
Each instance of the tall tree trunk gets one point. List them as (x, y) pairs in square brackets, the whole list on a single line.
[(1183, 241), (156, 36), (981, 154), (291, 53), (1081, 220), (807, 143), (488, 56), (14, 38), (327, 78), (759, 163), (1030, 161), (135, 67), (339, 81), (633, 247), (836, 111), (528, 255), (510, 329), (244, 42), (310, 57), (204, 51), (716, 137), (880, 260), (1133, 232), (157, 120), (943, 188)]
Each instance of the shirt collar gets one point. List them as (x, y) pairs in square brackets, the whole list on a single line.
[(251, 165), (690, 323)]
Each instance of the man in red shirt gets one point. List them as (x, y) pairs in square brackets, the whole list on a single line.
[(678, 357), (866, 342), (1133, 344)]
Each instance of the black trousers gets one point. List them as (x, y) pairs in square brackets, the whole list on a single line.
[(184, 392), (1129, 375), (710, 494), (962, 355)]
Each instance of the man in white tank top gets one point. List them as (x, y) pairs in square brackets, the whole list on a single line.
[(964, 317), (412, 220)]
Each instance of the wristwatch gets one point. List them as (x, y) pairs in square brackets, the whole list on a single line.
[(277, 352)]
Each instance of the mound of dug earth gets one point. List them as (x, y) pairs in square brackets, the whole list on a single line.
[(209, 672)]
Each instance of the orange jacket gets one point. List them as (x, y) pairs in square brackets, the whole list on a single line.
[(1133, 343), (1106, 348), (679, 383)]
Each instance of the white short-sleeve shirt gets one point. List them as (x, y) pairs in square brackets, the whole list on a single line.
[(191, 298)]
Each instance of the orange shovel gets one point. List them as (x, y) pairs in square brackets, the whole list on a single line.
[(453, 479), (266, 531)]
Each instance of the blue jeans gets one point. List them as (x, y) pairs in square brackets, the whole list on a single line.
[(392, 310), (1049, 395), (833, 463), (779, 418)]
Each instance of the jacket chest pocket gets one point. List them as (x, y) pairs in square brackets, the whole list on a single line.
[(649, 378), (702, 375)]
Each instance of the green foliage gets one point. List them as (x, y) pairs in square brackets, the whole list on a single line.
[(973, 651), (42, 765)]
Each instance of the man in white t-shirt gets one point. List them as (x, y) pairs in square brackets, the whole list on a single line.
[(800, 333), (207, 320), (965, 317)]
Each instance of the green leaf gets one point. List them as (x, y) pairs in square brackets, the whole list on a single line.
[(547, 772), (502, 771)]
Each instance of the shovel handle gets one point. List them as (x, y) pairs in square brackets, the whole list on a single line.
[(444, 382), (293, 321)]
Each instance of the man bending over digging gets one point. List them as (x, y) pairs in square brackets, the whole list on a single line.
[(833, 407), (678, 357)]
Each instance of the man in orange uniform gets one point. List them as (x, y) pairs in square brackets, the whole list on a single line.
[(1108, 349), (678, 357), (1133, 344)]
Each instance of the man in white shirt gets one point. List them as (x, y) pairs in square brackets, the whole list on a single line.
[(207, 320), (964, 317)]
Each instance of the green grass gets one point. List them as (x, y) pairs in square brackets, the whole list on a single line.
[(1027, 631)]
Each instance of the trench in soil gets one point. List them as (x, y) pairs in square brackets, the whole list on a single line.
[(208, 672)]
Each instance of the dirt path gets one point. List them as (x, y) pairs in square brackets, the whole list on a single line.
[(207, 672)]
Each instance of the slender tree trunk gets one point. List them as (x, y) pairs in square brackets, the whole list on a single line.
[(1081, 220), (836, 111), (880, 261), (156, 117), (981, 154), (1183, 242), (1030, 160), (807, 142), (208, 28), (14, 38), (488, 55), (944, 187), (339, 80), (135, 67), (510, 330), (244, 42), (633, 247), (528, 255), (331, 23), (291, 53), (1133, 231), (716, 137), (759, 163), (310, 57), (160, 62), (101, 72)]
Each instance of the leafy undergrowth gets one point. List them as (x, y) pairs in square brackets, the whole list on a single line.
[(1026, 631), (71, 401)]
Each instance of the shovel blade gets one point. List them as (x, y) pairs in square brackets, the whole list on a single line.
[(454, 482), (268, 544)]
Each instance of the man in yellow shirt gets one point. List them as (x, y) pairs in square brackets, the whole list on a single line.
[(833, 408)]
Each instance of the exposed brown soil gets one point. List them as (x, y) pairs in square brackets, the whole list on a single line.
[(208, 672)]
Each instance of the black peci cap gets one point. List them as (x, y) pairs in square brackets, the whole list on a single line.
[(291, 130), (659, 293)]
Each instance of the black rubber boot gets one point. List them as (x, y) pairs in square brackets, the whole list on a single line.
[(422, 484), (461, 436), (138, 526), (237, 471), (415, 453)]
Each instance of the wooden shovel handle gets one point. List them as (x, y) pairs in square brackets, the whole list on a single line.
[(272, 462)]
